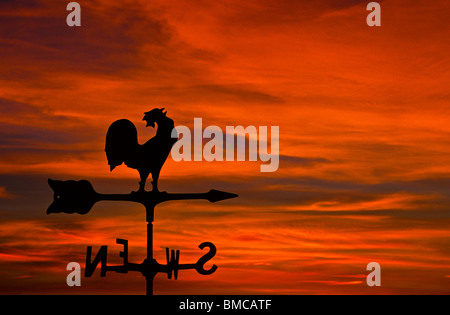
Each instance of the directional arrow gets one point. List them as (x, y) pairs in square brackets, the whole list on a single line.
[(212, 196), (79, 197)]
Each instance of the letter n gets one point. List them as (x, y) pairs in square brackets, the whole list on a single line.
[(101, 257)]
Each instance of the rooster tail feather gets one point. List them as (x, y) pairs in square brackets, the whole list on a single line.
[(121, 142)]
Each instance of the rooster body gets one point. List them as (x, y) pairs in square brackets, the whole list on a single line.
[(122, 146)]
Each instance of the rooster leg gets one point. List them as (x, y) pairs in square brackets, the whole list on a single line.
[(142, 182), (155, 177)]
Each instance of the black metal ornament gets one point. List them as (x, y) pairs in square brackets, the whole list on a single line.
[(122, 147)]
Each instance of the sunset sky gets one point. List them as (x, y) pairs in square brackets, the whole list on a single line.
[(363, 114)]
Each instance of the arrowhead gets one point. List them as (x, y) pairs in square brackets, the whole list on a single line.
[(217, 195)]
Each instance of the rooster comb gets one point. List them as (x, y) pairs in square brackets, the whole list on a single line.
[(153, 110)]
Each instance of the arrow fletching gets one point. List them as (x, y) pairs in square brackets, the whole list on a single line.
[(72, 197)]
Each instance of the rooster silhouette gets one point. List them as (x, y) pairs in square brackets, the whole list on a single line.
[(122, 146)]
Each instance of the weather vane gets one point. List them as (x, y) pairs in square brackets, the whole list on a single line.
[(122, 147)]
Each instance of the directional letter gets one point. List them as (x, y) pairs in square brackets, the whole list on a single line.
[(73, 279), (172, 263), (374, 278), (74, 17), (203, 260), (101, 257), (123, 254), (374, 18)]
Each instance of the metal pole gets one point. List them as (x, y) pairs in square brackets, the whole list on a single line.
[(150, 273), (79, 197)]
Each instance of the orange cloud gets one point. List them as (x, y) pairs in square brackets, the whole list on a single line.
[(364, 168)]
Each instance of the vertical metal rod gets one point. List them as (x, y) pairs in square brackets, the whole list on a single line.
[(150, 274)]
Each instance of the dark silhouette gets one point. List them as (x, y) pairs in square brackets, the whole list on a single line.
[(149, 268), (122, 146), (80, 197), (72, 196)]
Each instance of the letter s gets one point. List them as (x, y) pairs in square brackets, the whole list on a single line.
[(203, 260)]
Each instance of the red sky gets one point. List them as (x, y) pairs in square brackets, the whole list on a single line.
[(364, 142)]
